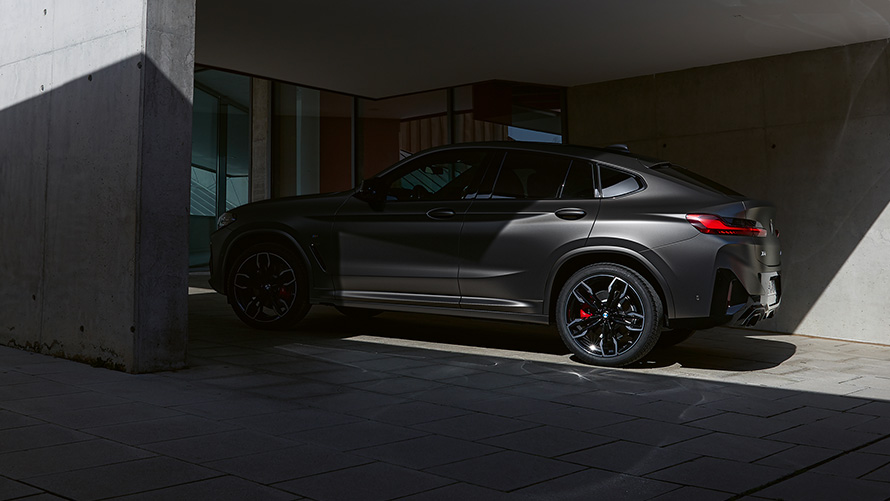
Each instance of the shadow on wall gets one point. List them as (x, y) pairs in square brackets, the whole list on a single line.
[(809, 132), (94, 195)]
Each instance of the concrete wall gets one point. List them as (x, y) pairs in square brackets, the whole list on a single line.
[(809, 132), (95, 141)]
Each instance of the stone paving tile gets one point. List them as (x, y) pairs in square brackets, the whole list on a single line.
[(878, 426), (42, 435), (544, 390), (110, 415), (352, 400), (10, 419), (822, 401), (548, 441), (823, 436), (299, 390), (156, 430), (207, 448), (410, 413), (475, 426), (247, 381), (689, 493), (459, 491), (882, 474), (485, 380), (512, 406), (427, 452), (798, 457), (40, 406), (735, 447), (754, 406), (596, 484), (348, 375), (651, 432), (505, 471), (742, 424), (498, 365), (853, 465), (39, 461), (805, 415), (630, 458), (122, 478), (397, 365), (604, 401), (452, 395), (356, 435), (226, 488), (371, 482), (436, 372), (879, 447), (880, 409), (237, 406), (812, 486), (287, 464), (397, 385), (159, 391), (10, 489), (847, 421), (671, 412), (720, 474), (284, 423), (576, 418), (35, 389), (8, 378)]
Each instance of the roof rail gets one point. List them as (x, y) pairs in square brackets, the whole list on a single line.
[(619, 147)]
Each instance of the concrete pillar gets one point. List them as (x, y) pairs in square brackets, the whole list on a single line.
[(260, 139), (95, 142)]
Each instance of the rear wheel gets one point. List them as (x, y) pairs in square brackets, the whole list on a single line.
[(608, 315), (267, 287)]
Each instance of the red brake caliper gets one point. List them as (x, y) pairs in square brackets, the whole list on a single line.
[(284, 294), (584, 314)]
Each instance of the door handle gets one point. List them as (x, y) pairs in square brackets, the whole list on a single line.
[(440, 213), (570, 214)]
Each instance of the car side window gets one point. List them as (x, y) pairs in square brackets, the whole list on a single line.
[(579, 182), (615, 183), (439, 176), (530, 175)]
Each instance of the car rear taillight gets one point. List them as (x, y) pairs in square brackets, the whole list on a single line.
[(709, 223)]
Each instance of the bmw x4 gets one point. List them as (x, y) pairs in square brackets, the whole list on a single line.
[(620, 252)]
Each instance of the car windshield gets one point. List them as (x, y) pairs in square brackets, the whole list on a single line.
[(684, 174)]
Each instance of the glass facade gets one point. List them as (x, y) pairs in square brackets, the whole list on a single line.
[(321, 141), (220, 154)]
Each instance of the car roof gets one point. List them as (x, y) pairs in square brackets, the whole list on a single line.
[(607, 155)]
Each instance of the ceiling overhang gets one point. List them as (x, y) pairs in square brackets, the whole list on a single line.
[(384, 48)]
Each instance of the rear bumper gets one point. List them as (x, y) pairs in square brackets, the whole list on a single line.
[(759, 307)]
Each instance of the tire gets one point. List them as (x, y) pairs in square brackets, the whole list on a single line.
[(358, 313), (268, 287), (608, 315), (673, 337)]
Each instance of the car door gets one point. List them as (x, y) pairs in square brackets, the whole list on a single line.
[(398, 237), (540, 207)]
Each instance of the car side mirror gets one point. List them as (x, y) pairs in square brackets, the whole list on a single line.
[(371, 191)]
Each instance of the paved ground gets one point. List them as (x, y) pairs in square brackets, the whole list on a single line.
[(424, 408)]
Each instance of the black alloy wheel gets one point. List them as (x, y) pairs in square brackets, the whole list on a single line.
[(608, 315), (268, 287)]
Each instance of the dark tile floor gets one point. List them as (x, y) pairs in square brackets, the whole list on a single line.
[(411, 407)]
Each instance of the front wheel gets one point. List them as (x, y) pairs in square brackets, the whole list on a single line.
[(267, 287), (608, 315)]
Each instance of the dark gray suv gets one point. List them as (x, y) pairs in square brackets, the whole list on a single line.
[(616, 250)]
